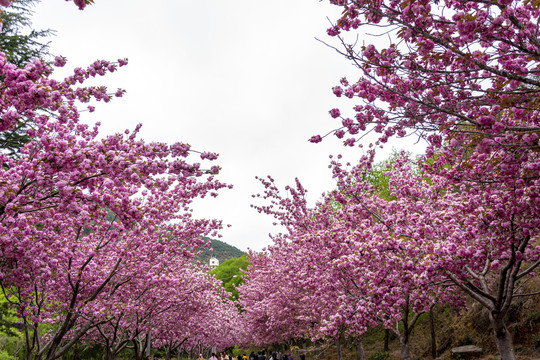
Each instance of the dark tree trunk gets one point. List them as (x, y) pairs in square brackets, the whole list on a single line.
[(360, 354), (76, 354), (109, 354), (433, 336), (386, 340), (139, 349)]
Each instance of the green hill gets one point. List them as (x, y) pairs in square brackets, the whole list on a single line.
[(221, 251)]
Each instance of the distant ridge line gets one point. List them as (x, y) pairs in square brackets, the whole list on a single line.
[(221, 251)]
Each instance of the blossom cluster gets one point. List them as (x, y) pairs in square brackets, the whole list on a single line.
[(465, 67)]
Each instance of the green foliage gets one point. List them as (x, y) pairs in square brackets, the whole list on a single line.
[(9, 323), (4, 355), (21, 44), (374, 335), (379, 355), (11, 340), (12, 140), (378, 178), (91, 351), (18, 40), (231, 275)]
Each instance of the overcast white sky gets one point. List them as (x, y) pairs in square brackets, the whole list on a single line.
[(243, 78)]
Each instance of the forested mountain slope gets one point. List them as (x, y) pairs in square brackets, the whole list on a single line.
[(220, 250)]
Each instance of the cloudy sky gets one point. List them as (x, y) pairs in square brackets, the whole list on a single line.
[(244, 78)]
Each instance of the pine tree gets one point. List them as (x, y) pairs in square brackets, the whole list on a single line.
[(21, 43)]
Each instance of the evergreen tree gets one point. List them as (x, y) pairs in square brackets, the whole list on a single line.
[(21, 44), (18, 40)]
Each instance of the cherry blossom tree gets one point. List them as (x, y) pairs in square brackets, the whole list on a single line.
[(173, 304), (201, 312), (97, 232), (370, 258), (340, 268), (463, 75), (468, 236), (80, 216), (273, 300)]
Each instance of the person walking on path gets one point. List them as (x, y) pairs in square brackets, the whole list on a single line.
[(213, 357)]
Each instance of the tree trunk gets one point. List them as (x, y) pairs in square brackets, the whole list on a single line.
[(338, 348), (503, 339), (109, 354), (76, 354), (148, 344), (405, 350), (360, 354), (433, 336), (139, 349), (386, 340)]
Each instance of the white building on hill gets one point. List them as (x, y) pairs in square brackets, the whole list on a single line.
[(214, 263)]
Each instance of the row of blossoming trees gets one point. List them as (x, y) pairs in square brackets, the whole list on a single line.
[(97, 240), (463, 76)]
